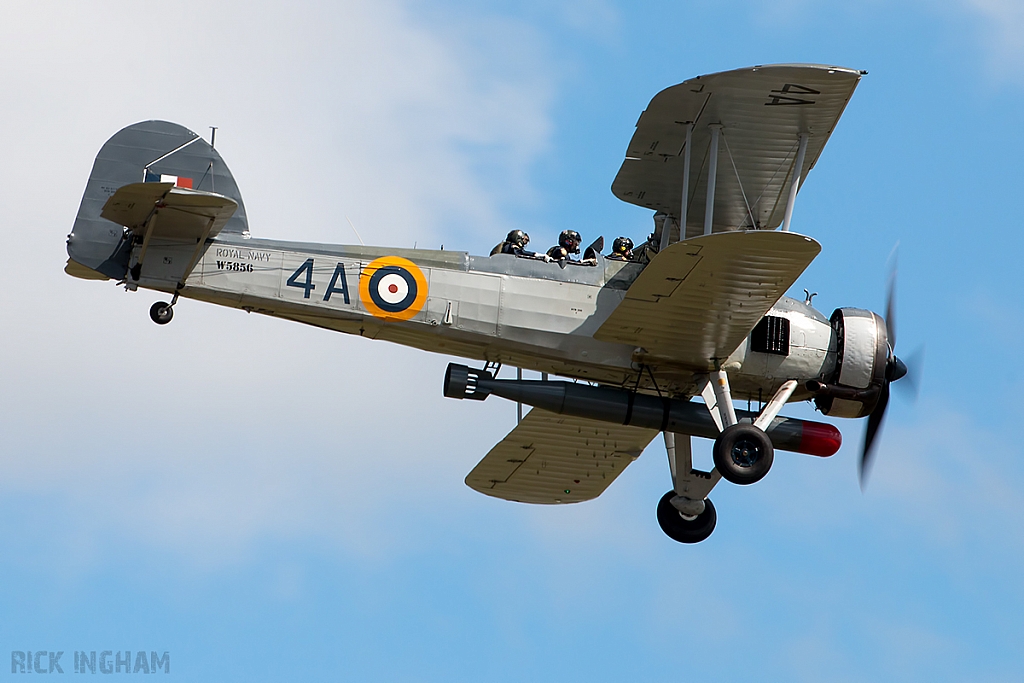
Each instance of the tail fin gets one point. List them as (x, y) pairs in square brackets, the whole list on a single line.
[(143, 152)]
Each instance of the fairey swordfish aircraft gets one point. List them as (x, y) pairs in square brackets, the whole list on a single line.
[(702, 312)]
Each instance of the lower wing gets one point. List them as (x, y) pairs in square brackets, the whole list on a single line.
[(552, 459)]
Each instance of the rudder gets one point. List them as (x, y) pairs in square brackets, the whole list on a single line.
[(146, 151)]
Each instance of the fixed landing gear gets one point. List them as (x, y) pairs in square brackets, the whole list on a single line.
[(686, 528), (161, 312), (685, 513), (743, 454)]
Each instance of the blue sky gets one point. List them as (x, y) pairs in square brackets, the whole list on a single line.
[(266, 501)]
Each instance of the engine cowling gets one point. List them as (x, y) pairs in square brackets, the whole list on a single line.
[(862, 351)]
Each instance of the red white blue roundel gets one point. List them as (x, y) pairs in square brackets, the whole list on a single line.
[(392, 287)]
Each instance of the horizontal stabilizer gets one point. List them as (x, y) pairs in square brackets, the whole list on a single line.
[(171, 213), (76, 269)]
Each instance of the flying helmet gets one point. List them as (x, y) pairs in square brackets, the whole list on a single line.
[(518, 238), (570, 241), (622, 246)]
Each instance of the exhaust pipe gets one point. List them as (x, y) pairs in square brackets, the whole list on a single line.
[(820, 389), (630, 408)]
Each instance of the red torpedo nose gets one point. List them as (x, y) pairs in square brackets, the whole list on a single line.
[(820, 439)]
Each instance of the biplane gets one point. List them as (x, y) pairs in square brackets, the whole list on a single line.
[(624, 348)]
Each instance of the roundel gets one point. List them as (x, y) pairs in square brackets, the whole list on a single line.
[(392, 288)]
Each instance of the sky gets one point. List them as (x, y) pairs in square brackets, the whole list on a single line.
[(266, 501)]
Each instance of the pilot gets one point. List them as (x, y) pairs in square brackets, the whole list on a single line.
[(515, 244), (622, 249), (568, 244)]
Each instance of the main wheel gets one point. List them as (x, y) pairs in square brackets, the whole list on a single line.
[(685, 529), (161, 313), (743, 454)]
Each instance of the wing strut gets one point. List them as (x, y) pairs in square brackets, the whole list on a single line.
[(686, 181), (150, 227), (519, 404), (666, 238), (200, 245), (795, 185), (709, 208)]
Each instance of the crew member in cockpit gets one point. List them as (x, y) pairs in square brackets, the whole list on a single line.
[(515, 244), (568, 244), (622, 249)]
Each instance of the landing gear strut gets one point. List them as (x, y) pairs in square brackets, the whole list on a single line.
[(685, 513), (161, 312), (743, 454), (686, 528)]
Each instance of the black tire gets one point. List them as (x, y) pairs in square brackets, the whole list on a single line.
[(743, 454), (683, 529), (161, 313)]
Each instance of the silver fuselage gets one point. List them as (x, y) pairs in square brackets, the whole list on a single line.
[(501, 309)]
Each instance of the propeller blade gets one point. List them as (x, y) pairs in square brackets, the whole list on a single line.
[(895, 370), (874, 426), (911, 384), (890, 306)]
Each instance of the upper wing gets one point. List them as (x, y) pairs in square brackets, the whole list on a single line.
[(762, 111), (698, 299), (173, 213), (551, 458)]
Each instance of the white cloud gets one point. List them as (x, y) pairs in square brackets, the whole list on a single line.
[(223, 428), (324, 109)]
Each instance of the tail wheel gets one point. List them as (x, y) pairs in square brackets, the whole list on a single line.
[(685, 529), (161, 312), (743, 454)]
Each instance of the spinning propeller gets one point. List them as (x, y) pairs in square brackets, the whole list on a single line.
[(895, 369)]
